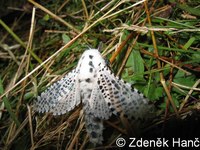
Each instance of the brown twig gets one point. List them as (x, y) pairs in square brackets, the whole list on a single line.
[(162, 80)]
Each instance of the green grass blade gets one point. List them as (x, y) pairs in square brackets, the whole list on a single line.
[(189, 42), (19, 41), (8, 106)]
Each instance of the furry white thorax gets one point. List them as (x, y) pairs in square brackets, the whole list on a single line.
[(88, 66), (93, 56)]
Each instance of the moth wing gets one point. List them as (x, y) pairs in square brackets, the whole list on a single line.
[(61, 96), (120, 96), (99, 106)]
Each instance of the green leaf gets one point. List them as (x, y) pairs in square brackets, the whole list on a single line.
[(28, 95), (189, 42), (196, 57), (65, 38), (1, 86), (8, 105), (154, 92), (163, 105), (175, 98), (183, 79), (191, 10), (136, 62), (46, 17)]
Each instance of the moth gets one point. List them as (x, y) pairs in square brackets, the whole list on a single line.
[(101, 93)]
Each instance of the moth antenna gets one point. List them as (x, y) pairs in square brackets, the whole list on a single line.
[(100, 47)]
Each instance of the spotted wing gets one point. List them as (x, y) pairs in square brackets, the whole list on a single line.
[(98, 105), (60, 97), (95, 111), (120, 97)]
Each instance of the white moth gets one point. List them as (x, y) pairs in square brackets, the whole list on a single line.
[(101, 93)]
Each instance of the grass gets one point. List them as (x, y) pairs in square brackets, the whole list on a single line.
[(153, 45)]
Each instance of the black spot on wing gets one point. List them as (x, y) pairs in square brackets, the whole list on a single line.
[(98, 82), (116, 92), (91, 70)]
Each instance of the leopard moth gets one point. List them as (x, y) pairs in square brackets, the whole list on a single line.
[(102, 94)]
